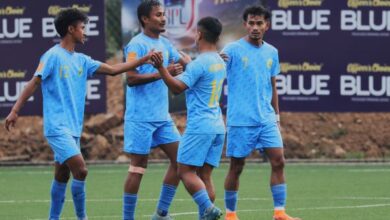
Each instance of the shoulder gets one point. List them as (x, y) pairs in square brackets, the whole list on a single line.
[(52, 53), (165, 40), (270, 47), (136, 42)]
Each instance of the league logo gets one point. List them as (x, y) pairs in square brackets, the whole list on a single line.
[(181, 16)]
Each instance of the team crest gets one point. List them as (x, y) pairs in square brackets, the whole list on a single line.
[(269, 63), (181, 16)]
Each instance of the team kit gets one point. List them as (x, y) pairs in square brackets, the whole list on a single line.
[(153, 67)]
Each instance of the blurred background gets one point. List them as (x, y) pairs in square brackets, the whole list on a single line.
[(334, 84)]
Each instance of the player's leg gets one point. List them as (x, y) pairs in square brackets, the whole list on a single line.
[(212, 160), (138, 164), (79, 172), (137, 143), (58, 190), (204, 174), (166, 138), (192, 154), (170, 182), (68, 156), (270, 138), (241, 141), (232, 183)]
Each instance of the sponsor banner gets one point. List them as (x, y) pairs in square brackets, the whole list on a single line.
[(27, 31), (332, 53)]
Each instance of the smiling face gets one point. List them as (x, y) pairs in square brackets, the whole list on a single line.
[(256, 26), (156, 20)]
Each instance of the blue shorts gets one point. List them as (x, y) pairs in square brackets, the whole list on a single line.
[(198, 149), (64, 147), (140, 137), (241, 141)]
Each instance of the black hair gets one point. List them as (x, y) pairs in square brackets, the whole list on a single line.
[(70, 16), (256, 10), (145, 8), (211, 28)]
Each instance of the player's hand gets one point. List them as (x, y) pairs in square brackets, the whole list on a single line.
[(186, 58), (224, 56), (175, 69), (157, 59), (147, 59), (10, 121)]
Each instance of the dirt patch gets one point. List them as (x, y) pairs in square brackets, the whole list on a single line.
[(306, 135)]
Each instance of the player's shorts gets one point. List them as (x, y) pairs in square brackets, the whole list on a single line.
[(140, 137), (242, 140), (198, 149), (64, 147)]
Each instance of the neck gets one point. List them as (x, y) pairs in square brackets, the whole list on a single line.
[(256, 43), (67, 44), (151, 34), (206, 47)]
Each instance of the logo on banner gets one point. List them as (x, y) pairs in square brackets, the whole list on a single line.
[(300, 67), (299, 3), (373, 68), (368, 87), (367, 21), (181, 16), (302, 22), (55, 9), (10, 10), (368, 3), (12, 74)]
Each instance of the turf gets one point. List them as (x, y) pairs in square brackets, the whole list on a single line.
[(315, 192)]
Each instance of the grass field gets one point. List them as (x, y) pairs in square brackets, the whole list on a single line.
[(316, 192)]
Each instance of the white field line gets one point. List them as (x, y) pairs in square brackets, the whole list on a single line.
[(187, 200), (244, 210)]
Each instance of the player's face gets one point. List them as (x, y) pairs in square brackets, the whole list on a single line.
[(156, 20), (256, 27), (78, 32)]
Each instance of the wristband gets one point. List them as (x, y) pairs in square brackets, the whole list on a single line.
[(277, 116)]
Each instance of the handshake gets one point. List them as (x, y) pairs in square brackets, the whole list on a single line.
[(156, 59)]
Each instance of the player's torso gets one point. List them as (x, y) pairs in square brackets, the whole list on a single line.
[(249, 84), (148, 102), (64, 94), (204, 113)]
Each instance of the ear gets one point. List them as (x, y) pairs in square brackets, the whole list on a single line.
[(144, 19), (70, 29), (267, 25)]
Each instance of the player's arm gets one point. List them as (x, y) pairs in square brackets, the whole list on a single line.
[(175, 85), (27, 92), (134, 78), (119, 68), (275, 100), (184, 59)]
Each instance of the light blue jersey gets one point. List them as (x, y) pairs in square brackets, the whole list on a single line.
[(148, 102), (64, 83), (249, 72), (204, 78)]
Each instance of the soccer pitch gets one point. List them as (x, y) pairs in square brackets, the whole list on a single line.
[(315, 192)]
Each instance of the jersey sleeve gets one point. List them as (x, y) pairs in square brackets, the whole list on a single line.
[(174, 54), (91, 65), (192, 74), (275, 69), (46, 66), (229, 51), (134, 51)]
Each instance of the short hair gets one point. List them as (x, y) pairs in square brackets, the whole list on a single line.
[(145, 8), (70, 16), (211, 28), (256, 10)]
